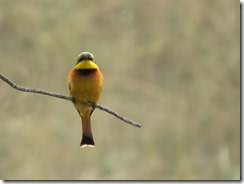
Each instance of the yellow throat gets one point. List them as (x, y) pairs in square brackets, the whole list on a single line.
[(86, 64)]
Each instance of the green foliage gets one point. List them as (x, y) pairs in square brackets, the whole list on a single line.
[(172, 65)]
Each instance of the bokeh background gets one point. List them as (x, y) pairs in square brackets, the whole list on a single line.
[(172, 65)]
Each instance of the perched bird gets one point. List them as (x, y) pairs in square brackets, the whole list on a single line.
[(85, 85)]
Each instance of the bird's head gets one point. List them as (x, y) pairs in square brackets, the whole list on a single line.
[(85, 56), (85, 61)]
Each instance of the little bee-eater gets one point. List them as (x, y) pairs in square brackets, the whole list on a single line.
[(85, 85)]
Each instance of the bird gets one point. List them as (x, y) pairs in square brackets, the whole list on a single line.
[(85, 85)]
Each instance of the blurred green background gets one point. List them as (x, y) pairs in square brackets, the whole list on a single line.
[(172, 65)]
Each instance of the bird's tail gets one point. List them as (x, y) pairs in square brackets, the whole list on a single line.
[(87, 138)]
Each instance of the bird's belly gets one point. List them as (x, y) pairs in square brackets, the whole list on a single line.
[(86, 87)]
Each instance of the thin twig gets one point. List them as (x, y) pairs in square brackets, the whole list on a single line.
[(38, 91)]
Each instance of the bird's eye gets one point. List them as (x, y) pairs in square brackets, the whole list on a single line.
[(90, 57), (79, 60)]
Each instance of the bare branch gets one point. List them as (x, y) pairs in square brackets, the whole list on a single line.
[(38, 91)]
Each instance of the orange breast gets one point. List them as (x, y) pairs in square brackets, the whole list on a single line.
[(85, 85)]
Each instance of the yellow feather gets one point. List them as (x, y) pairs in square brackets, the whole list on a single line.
[(86, 64)]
